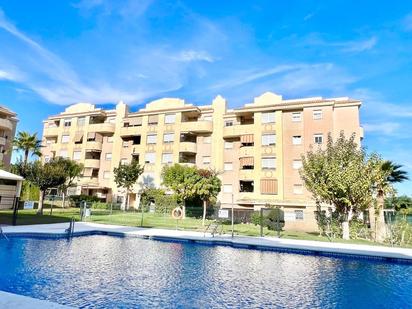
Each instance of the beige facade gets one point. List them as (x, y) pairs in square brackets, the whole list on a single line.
[(8, 123), (257, 148)]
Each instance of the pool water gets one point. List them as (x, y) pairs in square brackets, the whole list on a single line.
[(112, 272)]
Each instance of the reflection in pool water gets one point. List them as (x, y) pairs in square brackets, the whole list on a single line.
[(105, 271)]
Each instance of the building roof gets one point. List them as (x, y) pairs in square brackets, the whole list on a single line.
[(10, 176)]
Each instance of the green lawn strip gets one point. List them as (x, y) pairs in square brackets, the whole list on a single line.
[(150, 220)]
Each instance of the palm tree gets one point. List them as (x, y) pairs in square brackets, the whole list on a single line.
[(387, 174), (27, 143)]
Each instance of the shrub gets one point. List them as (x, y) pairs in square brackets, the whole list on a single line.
[(77, 199), (359, 230), (401, 233), (100, 205), (275, 219)]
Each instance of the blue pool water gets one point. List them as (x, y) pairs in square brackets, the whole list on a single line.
[(110, 272)]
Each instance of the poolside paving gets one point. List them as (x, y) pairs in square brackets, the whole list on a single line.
[(9, 300), (237, 241)]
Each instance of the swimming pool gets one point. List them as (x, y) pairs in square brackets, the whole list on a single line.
[(114, 272)]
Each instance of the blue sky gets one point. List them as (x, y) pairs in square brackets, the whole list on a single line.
[(54, 53)]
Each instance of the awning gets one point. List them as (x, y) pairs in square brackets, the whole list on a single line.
[(153, 119), (247, 161), (269, 186), (248, 138), (78, 138), (137, 121)]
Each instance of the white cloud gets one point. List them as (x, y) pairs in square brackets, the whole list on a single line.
[(382, 128), (350, 46), (6, 76), (193, 55), (358, 46)]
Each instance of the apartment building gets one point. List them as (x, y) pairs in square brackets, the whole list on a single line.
[(257, 148), (8, 123)]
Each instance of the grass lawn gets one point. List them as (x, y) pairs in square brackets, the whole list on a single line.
[(150, 220)]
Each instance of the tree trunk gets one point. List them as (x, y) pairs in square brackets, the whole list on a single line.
[(26, 156), (345, 229), (184, 209), (204, 212), (380, 219), (63, 199), (41, 200), (127, 199)]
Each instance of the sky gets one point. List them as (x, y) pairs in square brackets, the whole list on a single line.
[(56, 53)]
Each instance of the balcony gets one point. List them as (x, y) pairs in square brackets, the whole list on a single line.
[(6, 124), (92, 163), (94, 145), (197, 126), (51, 131), (188, 147), (246, 174), (246, 151), (187, 158), (131, 131), (90, 181), (105, 127), (237, 130)]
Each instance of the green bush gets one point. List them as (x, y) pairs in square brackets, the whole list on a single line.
[(359, 230), (255, 218), (78, 199), (275, 219), (400, 233), (100, 205)]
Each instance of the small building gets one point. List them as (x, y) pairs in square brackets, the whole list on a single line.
[(10, 188)]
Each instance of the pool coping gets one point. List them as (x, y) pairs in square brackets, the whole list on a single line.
[(392, 254), (11, 300)]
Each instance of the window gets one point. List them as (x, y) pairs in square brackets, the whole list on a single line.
[(152, 139), (152, 120), (108, 156), (167, 137), (106, 174), (64, 154), (65, 139), (46, 159), (67, 122), (125, 144), (124, 161), (297, 140), (208, 118), (77, 155), (228, 145), (228, 166), (110, 139), (148, 179), (150, 157), (227, 188), (298, 189), (228, 123), (206, 160), (81, 121), (297, 116), (207, 139), (317, 114), (167, 158), (170, 118), (298, 214), (297, 164), (269, 163), (49, 141), (318, 138), (268, 117), (268, 139), (246, 186)]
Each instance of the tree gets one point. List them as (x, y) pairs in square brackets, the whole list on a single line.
[(72, 171), (181, 179), (44, 176), (384, 174), (27, 143), (126, 176), (339, 176), (398, 202), (207, 187)]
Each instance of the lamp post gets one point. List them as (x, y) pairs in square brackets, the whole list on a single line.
[(232, 217)]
